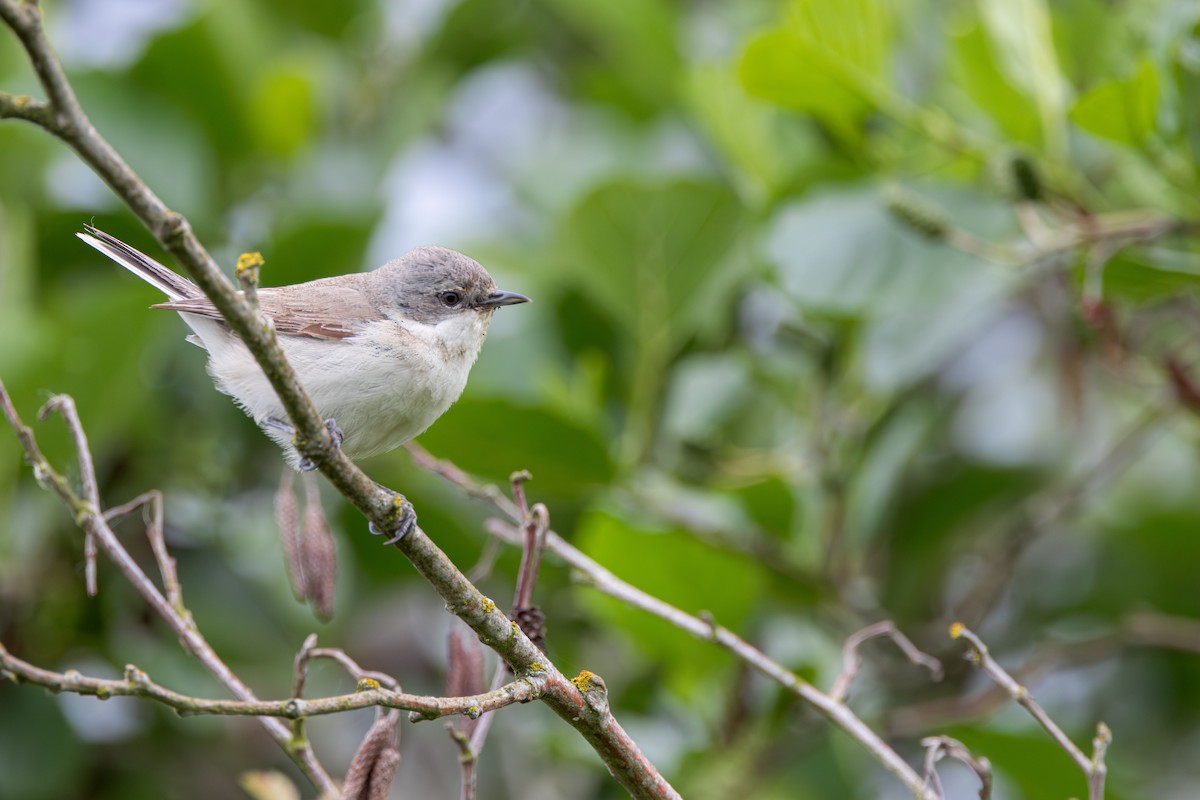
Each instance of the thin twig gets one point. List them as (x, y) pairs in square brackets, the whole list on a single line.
[(938, 747), (1093, 768), (138, 684), (92, 521), (536, 525), (467, 759), (518, 480), (465, 676), (357, 672), (852, 660), (593, 574), (604, 581), (1139, 629), (153, 502), (64, 405)]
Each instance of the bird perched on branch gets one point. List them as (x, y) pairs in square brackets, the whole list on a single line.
[(382, 354)]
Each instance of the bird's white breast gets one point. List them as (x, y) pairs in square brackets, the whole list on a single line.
[(383, 387)]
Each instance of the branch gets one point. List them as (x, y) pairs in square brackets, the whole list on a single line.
[(94, 523), (853, 661), (1138, 629), (22, 106), (153, 500), (138, 684), (596, 576), (1093, 768), (939, 747)]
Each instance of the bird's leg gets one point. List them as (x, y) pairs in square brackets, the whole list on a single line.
[(406, 522), (306, 464)]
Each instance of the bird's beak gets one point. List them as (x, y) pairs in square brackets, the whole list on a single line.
[(503, 299)]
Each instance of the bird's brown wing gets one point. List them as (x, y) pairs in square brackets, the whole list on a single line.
[(316, 310)]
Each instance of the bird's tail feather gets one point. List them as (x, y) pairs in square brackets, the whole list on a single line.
[(170, 283)]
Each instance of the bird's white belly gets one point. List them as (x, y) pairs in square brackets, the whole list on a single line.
[(380, 395)]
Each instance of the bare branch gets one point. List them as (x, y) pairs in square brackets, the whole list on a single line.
[(1099, 774), (592, 573), (465, 676), (467, 759), (92, 521), (248, 267), (153, 502), (24, 107), (64, 405), (1092, 767), (599, 578), (1138, 629), (518, 480), (943, 746), (488, 493), (853, 661), (138, 684)]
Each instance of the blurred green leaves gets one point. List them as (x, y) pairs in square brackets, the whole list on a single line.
[(284, 110), (828, 59), (1023, 47), (986, 86), (1124, 111), (658, 257), (494, 437), (629, 55)]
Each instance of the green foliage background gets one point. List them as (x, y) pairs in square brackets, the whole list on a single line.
[(745, 384)]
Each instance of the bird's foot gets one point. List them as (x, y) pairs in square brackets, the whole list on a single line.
[(307, 464), (405, 522)]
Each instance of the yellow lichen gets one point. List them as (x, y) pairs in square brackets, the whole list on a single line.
[(536, 667), (488, 605), (249, 261), (956, 630), (366, 685), (583, 681)]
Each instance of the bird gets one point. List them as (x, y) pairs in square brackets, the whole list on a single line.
[(382, 353)]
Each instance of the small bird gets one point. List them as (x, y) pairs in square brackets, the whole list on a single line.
[(382, 354)]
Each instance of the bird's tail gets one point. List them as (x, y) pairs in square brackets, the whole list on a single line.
[(170, 283)]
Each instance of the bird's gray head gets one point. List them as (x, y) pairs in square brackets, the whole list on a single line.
[(431, 284)]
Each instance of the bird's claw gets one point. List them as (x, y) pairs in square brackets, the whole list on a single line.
[(307, 464), (404, 525)]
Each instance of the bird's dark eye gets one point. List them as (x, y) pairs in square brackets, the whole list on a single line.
[(451, 298)]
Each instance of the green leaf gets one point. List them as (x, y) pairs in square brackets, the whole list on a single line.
[(762, 153), (1023, 46), (629, 55), (1123, 111), (975, 69), (494, 438), (657, 256), (283, 110), (1137, 278), (827, 59)]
